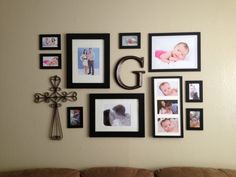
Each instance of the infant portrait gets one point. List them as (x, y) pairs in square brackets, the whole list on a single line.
[(166, 89)]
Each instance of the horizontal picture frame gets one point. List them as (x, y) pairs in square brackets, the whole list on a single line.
[(129, 40), (88, 60), (117, 115), (194, 119), (174, 51), (194, 91), (49, 41), (50, 61), (74, 117), (167, 107)]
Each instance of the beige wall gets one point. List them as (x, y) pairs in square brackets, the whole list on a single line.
[(24, 125)]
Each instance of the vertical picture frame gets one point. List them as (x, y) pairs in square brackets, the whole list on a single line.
[(49, 41), (194, 91), (174, 51), (167, 107), (194, 119), (88, 60), (129, 40), (74, 117)]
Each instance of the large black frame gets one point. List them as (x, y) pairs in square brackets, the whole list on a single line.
[(169, 39), (90, 40), (116, 97)]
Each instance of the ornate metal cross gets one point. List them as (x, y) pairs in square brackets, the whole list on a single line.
[(54, 98)]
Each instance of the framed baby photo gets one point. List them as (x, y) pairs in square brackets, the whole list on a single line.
[(74, 117), (88, 60), (194, 91), (49, 41), (50, 61), (194, 119), (174, 51), (129, 40), (116, 115), (167, 107)]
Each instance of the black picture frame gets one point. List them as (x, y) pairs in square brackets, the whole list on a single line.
[(74, 117), (78, 47), (49, 41), (174, 51), (50, 61), (167, 107), (106, 111), (129, 40), (194, 91), (194, 119)]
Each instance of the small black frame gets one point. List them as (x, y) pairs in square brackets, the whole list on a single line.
[(74, 117), (129, 40), (194, 91), (49, 41), (194, 119), (50, 61), (117, 115)]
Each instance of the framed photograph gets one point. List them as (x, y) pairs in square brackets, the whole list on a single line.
[(174, 52), (194, 91), (117, 115), (49, 41), (167, 107), (50, 61), (194, 119), (74, 117), (88, 60), (129, 40)]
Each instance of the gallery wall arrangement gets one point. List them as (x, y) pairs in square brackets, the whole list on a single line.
[(119, 114)]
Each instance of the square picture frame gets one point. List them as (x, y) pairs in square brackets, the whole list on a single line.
[(50, 61), (117, 115), (74, 117), (194, 119), (88, 60), (174, 51), (49, 41), (167, 107), (129, 40), (194, 91)]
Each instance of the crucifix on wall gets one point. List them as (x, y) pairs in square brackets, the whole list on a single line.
[(54, 98)]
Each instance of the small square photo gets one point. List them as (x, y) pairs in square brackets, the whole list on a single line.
[(75, 117)]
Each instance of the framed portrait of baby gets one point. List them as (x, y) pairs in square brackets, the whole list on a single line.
[(116, 115), (49, 41), (167, 107), (50, 61), (174, 51), (194, 119)]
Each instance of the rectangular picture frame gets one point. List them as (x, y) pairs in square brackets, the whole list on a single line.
[(50, 61), (49, 41), (74, 117), (88, 60), (167, 107), (129, 40), (117, 115), (194, 119), (174, 51), (194, 91)]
